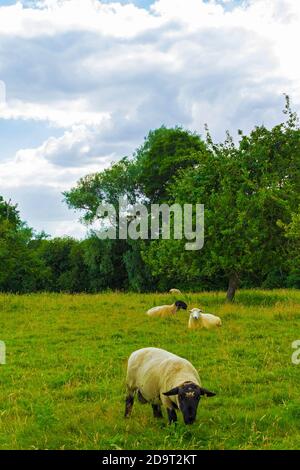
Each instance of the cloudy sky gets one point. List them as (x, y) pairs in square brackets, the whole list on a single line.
[(83, 81)]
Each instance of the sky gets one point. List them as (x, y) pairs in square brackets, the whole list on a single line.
[(83, 81)]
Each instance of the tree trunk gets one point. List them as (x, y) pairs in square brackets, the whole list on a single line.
[(232, 286)]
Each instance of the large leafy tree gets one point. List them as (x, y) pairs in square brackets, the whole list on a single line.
[(164, 153), (144, 177), (250, 192), (105, 265), (104, 187), (9, 213), (21, 269), (292, 231)]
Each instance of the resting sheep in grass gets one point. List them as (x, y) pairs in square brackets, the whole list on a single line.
[(162, 378), (167, 310), (199, 319), (175, 291)]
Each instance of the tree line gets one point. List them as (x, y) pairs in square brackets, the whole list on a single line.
[(250, 190)]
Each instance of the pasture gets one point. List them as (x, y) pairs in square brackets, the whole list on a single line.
[(63, 384)]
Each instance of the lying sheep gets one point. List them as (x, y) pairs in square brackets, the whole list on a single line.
[(174, 291), (162, 378), (167, 310), (199, 319)]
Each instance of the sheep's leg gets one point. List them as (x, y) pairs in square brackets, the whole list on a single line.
[(141, 399), (128, 405), (157, 411), (172, 415)]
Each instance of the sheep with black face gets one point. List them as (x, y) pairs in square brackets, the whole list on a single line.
[(167, 310), (161, 378)]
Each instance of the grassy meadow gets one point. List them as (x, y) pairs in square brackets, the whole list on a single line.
[(63, 384)]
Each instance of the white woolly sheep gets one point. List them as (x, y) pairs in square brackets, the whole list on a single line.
[(174, 291), (199, 319), (159, 377), (167, 310)]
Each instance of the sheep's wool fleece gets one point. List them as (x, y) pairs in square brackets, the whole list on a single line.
[(162, 311), (155, 371), (195, 323), (210, 321)]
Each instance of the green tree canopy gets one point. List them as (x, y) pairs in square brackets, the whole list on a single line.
[(21, 270), (162, 156), (145, 176), (250, 190)]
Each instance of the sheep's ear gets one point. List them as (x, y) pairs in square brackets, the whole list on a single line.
[(207, 393), (172, 392)]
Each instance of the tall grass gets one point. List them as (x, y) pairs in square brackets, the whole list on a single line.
[(63, 384)]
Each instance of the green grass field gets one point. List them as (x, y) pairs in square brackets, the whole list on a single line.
[(63, 384)]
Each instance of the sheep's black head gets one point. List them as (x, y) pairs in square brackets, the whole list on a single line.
[(189, 395), (179, 304)]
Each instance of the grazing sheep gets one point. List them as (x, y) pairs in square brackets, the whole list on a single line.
[(174, 291), (162, 378), (198, 319), (167, 310)]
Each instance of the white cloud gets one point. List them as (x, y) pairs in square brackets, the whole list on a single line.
[(43, 206), (35, 180), (61, 114), (59, 16), (105, 74), (57, 163), (70, 228)]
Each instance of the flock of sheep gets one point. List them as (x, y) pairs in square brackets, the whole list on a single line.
[(161, 378)]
